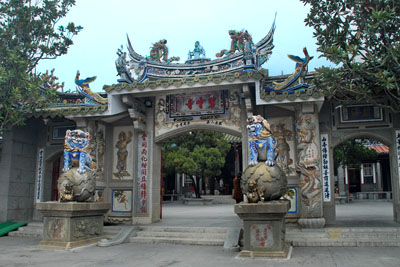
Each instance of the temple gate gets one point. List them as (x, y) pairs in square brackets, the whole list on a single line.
[(157, 99)]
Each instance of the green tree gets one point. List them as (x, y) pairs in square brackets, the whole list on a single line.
[(362, 37), (29, 33), (200, 153), (351, 152)]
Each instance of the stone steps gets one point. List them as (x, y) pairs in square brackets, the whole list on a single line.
[(170, 229), (181, 235), (176, 241), (215, 236), (35, 230), (208, 236), (345, 237)]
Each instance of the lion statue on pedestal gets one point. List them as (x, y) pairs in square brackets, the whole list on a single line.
[(77, 182), (262, 180)]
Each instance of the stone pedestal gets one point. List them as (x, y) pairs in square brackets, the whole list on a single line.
[(71, 224), (264, 229)]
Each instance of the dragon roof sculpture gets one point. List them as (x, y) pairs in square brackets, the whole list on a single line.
[(84, 89), (242, 56), (294, 81)]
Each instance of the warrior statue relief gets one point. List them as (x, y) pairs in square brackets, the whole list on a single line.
[(260, 138), (122, 153)]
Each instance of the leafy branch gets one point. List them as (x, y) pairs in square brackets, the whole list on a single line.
[(29, 33), (361, 37)]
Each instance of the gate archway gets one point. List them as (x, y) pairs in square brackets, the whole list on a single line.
[(374, 178)]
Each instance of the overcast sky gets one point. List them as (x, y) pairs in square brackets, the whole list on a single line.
[(181, 23)]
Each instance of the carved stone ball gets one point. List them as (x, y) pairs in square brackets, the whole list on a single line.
[(83, 185), (266, 182)]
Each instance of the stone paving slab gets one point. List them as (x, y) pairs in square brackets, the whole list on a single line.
[(17, 251)]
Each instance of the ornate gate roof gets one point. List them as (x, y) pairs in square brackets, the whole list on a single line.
[(243, 55)]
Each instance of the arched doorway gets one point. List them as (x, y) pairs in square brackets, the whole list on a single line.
[(364, 182), (199, 164)]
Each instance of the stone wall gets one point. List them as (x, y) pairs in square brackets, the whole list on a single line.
[(17, 173), (5, 170)]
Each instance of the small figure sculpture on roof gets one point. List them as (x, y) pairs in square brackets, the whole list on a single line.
[(120, 64), (159, 52), (238, 41), (198, 51), (50, 81)]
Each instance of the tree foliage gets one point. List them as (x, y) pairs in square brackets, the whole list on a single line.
[(199, 153), (29, 33), (362, 37), (351, 152)]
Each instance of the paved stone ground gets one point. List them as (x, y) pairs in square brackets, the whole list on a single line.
[(365, 214), (355, 214), (16, 251), (218, 215)]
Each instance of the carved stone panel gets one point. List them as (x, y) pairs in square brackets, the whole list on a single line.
[(261, 236), (55, 229), (308, 165), (212, 108), (86, 227)]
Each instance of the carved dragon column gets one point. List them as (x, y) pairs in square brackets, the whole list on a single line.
[(308, 166)]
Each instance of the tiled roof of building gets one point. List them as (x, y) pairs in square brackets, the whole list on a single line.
[(380, 148), (232, 139), (62, 111), (190, 81)]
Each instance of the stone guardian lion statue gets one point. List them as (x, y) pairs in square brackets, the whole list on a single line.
[(260, 141), (77, 183)]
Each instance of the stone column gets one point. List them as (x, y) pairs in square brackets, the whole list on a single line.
[(147, 178), (379, 176), (237, 164), (341, 181), (247, 111), (395, 169), (362, 176), (178, 185), (308, 167)]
